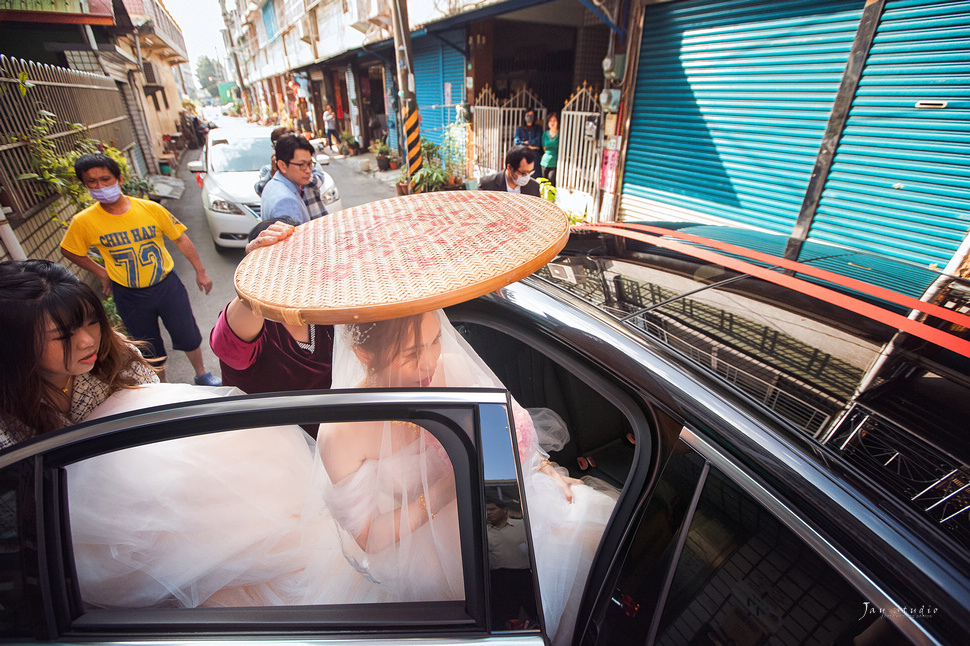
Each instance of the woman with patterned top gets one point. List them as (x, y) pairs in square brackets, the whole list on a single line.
[(59, 355)]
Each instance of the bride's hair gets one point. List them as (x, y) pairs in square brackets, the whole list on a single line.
[(31, 290), (384, 340)]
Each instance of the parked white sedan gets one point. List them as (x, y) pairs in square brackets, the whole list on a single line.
[(228, 169)]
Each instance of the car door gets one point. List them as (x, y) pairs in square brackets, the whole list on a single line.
[(718, 557), (47, 572)]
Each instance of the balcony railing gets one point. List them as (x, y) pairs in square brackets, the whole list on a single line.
[(162, 23)]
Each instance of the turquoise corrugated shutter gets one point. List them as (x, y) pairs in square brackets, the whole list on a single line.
[(732, 100), (435, 64), (900, 181)]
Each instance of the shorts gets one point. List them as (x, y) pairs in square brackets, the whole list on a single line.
[(140, 309)]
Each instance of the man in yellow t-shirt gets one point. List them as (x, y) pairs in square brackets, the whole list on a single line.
[(138, 269)]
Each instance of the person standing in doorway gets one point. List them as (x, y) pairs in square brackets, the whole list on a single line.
[(331, 134), (550, 148), (138, 269), (530, 134)]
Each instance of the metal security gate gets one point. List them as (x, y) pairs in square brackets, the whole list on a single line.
[(512, 115), (731, 103), (900, 181), (494, 126), (439, 78), (353, 110), (486, 125), (579, 151), (390, 101)]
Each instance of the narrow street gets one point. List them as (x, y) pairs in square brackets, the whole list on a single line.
[(356, 187)]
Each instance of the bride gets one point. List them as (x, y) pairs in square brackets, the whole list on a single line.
[(367, 515), (391, 488)]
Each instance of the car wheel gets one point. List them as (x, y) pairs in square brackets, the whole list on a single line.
[(219, 248)]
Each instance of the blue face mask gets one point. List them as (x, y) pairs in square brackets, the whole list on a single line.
[(106, 195)]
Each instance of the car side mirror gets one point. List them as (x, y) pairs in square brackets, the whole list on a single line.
[(196, 167), (323, 160)]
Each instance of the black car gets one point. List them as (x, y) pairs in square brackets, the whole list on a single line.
[(789, 443)]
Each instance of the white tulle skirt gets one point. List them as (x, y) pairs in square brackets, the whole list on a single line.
[(213, 520), (237, 519)]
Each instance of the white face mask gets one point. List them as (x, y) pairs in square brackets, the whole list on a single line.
[(522, 181), (106, 195)]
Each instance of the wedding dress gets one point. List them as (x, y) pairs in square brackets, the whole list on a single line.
[(212, 520), (252, 517), (565, 534)]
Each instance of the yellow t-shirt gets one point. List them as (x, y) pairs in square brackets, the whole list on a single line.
[(131, 244)]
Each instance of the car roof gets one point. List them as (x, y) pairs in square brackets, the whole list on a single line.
[(239, 132), (819, 349)]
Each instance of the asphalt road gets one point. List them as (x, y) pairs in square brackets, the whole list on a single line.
[(356, 187)]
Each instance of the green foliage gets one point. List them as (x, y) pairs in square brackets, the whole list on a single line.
[(380, 148), (546, 189), (453, 149), (135, 185), (55, 171), (23, 84), (574, 217), (113, 317), (52, 169), (210, 75), (430, 178), (430, 153)]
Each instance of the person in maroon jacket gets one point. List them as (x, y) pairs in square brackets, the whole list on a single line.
[(258, 355)]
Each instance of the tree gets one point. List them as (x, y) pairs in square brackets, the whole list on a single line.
[(210, 75)]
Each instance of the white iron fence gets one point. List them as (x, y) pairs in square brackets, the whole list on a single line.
[(74, 97), (579, 151), (495, 124)]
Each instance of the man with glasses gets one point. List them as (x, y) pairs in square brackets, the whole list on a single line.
[(283, 195), (520, 161), (313, 193)]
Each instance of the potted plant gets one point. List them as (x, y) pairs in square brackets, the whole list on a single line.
[(394, 163), (347, 141), (403, 187), (383, 152), (453, 151), (430, 178)]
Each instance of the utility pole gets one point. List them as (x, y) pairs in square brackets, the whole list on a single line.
[(405, 83)]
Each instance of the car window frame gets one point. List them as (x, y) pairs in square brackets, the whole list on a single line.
[(437, 410), (637, 404), (755, 438)]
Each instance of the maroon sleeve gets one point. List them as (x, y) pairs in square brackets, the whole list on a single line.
[(230, 349)]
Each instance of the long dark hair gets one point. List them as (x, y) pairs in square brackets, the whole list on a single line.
[(31, 291)]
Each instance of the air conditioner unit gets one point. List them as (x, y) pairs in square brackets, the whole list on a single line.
[(361, 14), (308, 29)]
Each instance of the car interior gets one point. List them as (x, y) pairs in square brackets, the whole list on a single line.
[(601, 437)]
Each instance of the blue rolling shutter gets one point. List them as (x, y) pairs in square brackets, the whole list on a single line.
[(435, 64), (900, 180), (732, 100)]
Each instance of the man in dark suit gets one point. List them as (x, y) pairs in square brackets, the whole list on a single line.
[(520, 161)]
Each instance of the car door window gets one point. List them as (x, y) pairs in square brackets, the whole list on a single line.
[(511, 568), (256, 517), (739, 575), (200, 513)]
